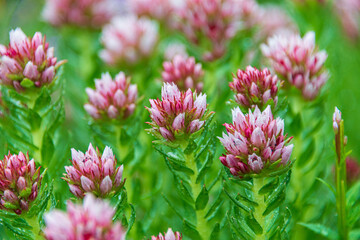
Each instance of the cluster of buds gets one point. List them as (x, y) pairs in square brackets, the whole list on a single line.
[(255, 143), (211, 23), (82, 13), (178, 114), (184, 72), (128, 40), (169, 235), (19, 182), (349, 15), (27, 62), (254, 87), (92, 220), (93, 173), (155, 9), (298, 61), (114, 99)]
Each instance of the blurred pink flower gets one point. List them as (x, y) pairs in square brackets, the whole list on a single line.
[(20, 182), (156, 9), (83, 13), (254, 87), (210, 24), (184, 72), (27, 62), (254, 141), (298, 61), (92, 220), (128, 40), (174, 49), (169, 235), (93, 173), (178, 114), (348, 12), (114, 99), (352, 170)]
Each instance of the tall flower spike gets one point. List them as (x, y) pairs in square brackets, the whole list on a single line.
[(20, 182), (211, 23), (82, 13), (298, 61), (184, 72), (27, 62), (114, 99), (178, 114), (93, 173), (254, 142), (128, 40), (254, 87), (169, 235), (92, 220)]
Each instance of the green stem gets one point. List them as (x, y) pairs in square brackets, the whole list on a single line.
[(201, 224), (36, 230), (260, 208), (37, 138)]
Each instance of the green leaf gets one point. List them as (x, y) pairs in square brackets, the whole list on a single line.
[(253, 224), (43, 102), (354, 234), (174, 208), (237, 203), (321, 230), (205, 167), (190, 230), (331, 188), (307, 153), (26, 83), (216, 232), (47, 149), (215, 207), (202, 199), (269, 187), (132, 218)]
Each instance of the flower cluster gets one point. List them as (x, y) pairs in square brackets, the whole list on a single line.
[(349, 15), (254, 143), (298, 61), (19, 182), (254, 87), (128, 39), (114, 99), (92, 220), (27, 62), (211, 23), (93, 173), (178, 114), (169, 235), (156, 9), (82, 13), (184, 72)]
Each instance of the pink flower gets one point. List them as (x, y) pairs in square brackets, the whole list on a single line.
[(184, 72), (254, 87), (114, 99), (156, 9), (348, 12), (336, 120), (178, 114), (174, 49), (255, 141), (298, 61), (27, 62), (92, 220), (20, 182), (128, 40), (210, 24), (352, 170), (169, 235), (82, 13), (91, 172)]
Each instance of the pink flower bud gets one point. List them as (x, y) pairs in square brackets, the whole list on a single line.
[(179, 122), (255, 163), (76, 191), (30, 71), (87, 184), (106, 185), (9, 196), (39, 55), (169, 235), (21, 183)]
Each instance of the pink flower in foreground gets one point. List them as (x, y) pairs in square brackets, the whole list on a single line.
[(254, 87), (83, 13), (169, 235), (94, 173), (298, 61), (254, 142), (114, 99), (27, 62), (212, 23), (128, 40), (184, 72), (91, 220), (20, 182), (178, 114)]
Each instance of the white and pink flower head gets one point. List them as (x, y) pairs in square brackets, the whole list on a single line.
[(112, 99), (178, 114), (184, 72), (91, 220), (20, 182), (298, 61), (169, 235), (27, 62), (255, 87), (161, 10), (127, 40), (255, 143), (82, 13), (94, 173)]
